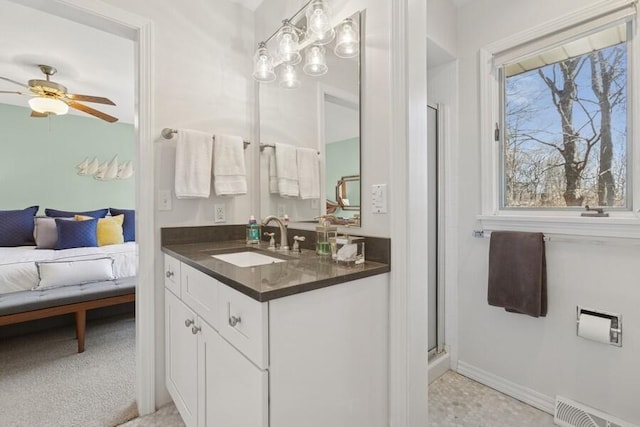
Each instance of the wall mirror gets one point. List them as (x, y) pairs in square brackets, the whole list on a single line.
[(321, 112)]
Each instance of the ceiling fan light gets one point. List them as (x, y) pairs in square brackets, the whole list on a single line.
[(47, 105)]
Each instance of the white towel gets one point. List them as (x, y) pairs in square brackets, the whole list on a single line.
[(229, 172), (273, 175), (193, 164), (308, 173), (287, 170)]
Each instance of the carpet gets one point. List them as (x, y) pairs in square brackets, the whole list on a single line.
[(45, 382)]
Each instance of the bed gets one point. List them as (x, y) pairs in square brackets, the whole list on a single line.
[(68, 264)]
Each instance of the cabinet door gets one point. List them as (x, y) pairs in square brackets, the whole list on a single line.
[(233, 391), (181, 353)]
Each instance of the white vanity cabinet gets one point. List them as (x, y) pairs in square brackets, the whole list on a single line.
[(313, 359)]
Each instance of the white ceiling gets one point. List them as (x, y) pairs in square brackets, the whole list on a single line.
[(249, 4), (89, 61)]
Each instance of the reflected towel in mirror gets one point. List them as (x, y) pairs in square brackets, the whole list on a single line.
[(273, 175), (287, 170), (308, 173)]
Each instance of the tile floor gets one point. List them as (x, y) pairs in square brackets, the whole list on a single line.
[(454, 401)]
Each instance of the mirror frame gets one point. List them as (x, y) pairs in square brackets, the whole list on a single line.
[(341, 189)]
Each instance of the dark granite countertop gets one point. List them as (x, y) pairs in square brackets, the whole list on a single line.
[(301, 273)]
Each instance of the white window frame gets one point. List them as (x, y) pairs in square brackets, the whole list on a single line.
[(623, 224)]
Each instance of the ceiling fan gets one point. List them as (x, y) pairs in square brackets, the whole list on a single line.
[(52, 98)]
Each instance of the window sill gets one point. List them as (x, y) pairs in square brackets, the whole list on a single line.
[(619, 226)]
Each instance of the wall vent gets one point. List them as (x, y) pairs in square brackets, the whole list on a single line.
[(573, 414)]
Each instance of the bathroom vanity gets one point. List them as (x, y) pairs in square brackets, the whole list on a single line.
[(296, 341)]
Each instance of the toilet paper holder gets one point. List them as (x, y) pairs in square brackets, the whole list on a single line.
[(615, 334)]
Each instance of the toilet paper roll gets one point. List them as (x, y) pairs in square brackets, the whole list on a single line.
[(594, 328)]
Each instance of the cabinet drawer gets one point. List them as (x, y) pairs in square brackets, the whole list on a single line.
[(200, 293), (172, 274), (243, 322)]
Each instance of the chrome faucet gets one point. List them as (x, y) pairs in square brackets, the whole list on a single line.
[(284, 243)]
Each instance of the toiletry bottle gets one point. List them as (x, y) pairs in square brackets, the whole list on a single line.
[(253, 231)]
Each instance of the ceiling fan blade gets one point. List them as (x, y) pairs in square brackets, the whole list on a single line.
[(92, 111), (15, 82), (36, 114), (89, 98), (12, 91)]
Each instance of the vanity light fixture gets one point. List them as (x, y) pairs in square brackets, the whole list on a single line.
[(315, 63), (289, 79), (313, 34), (287, 39), (48, 105), (319, 22), (263, 64), (348, 41)]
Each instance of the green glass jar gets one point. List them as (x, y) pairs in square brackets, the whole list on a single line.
[(324, 235)]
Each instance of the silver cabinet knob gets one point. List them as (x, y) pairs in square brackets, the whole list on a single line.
[(169, 274), (233, 321), (195, 329), (188, 322)]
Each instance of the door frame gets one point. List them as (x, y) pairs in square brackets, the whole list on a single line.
[(119, 22)]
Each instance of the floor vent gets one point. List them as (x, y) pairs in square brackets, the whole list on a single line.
[(572, 414)]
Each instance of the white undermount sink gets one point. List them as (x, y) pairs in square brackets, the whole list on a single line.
[(247, 259)]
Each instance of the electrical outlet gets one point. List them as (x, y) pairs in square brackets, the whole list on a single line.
[(281, 211), (219, 214)]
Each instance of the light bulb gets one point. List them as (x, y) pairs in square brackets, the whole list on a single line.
[(348, 40), (263, 65), (287, 39), (289, 78), (318, 18), (315, 61)]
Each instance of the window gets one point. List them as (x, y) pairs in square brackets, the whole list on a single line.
[(564, 114), (557, 124)]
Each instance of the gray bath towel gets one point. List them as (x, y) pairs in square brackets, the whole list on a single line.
[(517, 272)]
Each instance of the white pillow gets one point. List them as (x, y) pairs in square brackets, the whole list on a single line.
[(60, 273)]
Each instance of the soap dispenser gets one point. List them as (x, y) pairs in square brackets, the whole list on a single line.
[(325, 234), (253, 231)]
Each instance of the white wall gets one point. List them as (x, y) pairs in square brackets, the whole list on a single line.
[(442, 24), (203, 81), (544, 354)]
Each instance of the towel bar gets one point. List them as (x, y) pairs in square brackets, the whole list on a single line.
[(263, 146), (167, 133)]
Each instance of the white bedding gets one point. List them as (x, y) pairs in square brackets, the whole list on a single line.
[(18, 271)]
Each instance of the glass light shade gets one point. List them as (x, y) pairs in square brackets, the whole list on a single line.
[(287, 39), (315, 63), (263, 65), (48, 105), (325, 38), (318, 18), (289, 77), (348, 40)]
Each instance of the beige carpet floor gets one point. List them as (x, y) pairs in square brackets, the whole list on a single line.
[(44, 382)]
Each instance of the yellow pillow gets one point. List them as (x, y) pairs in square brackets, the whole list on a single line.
[(109, 231)]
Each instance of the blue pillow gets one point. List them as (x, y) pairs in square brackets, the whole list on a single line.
[(76, 234), (129, 224), (16, 227), (100, 213)]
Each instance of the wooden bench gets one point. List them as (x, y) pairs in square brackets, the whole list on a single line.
[(23, 306)]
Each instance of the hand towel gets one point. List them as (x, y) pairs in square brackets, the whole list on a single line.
[(308, 173), (193, 164), (517, 272), (287, 170), (229, 172), (273, 175)]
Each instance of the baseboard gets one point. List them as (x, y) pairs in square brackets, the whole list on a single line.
[(438, 366), (530, 397)]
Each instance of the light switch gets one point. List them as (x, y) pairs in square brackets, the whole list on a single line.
[(379, 198), (164, 200)]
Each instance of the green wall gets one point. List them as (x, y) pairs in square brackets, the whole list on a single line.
[(343, 159), (38, 158)]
